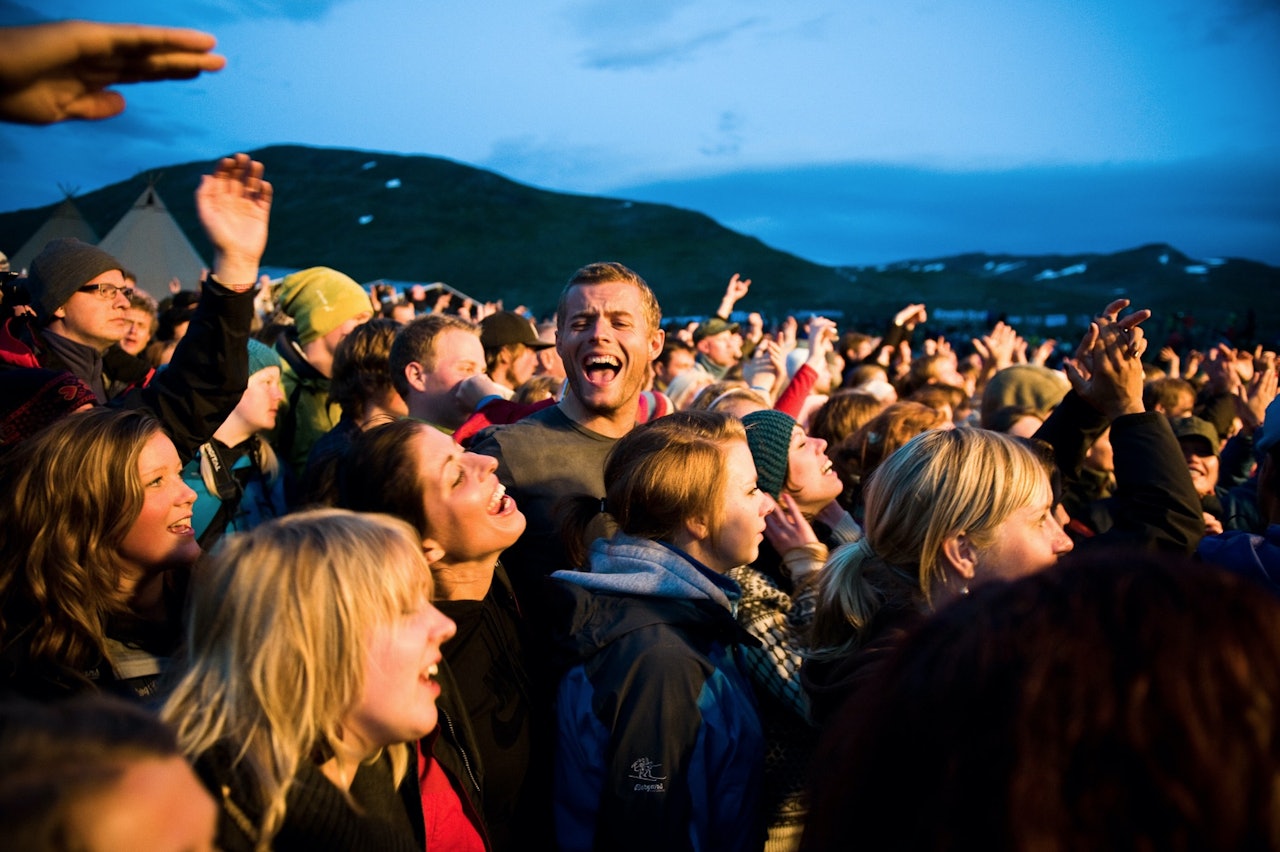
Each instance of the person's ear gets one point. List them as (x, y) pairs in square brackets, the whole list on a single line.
[(697, 529), (60, 313), (656, 342), (432, 550), (415, 376), (959, 553)]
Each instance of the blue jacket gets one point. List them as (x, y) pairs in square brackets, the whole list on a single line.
[(1250, 554), (260, 499), (659, 742)]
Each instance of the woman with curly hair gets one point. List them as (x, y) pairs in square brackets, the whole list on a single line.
[(95, 542)]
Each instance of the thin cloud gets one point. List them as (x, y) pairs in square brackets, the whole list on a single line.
[(620, 57), (592, 18)]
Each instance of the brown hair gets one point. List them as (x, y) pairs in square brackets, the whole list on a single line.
[(362, 366), (1119, 700), (857, 456), (659, 475), (605, 273), (381, 473), (73, 494), (843, 413), (416, 341)]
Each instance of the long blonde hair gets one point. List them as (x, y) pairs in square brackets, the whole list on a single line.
[(938, 483), (275, 641), (73, 493)]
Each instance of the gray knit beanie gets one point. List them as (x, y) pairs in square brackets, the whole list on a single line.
[(769, 437), (60, 269)]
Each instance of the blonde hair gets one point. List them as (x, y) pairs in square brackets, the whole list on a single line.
[(939, 483), (73, 494), (275, 642)]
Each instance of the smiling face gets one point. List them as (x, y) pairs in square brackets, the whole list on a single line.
[(91, 320), (736, 539), (468, 512), (1202, 462), (161, 536), (606, 344), (401, 660), (811, 479)]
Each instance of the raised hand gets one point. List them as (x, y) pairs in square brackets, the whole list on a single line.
[(1040, 356), (765, 367), (234, 205), (1254, 396), (63, 70), (786, 528), (911, 316), (1107, 368), (996, 348)]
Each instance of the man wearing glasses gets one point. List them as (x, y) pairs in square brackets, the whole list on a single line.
[(79, 297), (79, 300)]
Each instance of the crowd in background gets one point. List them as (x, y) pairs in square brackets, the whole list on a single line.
[(294, 564)]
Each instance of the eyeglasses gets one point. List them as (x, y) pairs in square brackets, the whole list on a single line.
[(108, 292)]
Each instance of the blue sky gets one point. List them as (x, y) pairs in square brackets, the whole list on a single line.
[(846, 131)]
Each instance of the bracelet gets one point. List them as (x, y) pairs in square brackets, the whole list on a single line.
[(760, 388)]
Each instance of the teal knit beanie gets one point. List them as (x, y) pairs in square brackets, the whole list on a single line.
[(769, 436), (261, 356)]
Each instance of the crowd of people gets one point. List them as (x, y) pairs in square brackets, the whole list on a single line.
[(340, 569)]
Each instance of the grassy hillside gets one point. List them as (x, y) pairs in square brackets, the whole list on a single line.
[(494, 238), (479, 232)]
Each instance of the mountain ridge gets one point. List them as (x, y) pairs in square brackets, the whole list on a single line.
[(420, 218)]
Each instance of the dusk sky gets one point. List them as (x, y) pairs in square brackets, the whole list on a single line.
[(845, 131)]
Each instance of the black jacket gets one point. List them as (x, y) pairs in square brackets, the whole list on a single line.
[(202, 383)]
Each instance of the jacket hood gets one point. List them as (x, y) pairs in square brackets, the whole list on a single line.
[(14, 352), (637, 583), (625, 565)]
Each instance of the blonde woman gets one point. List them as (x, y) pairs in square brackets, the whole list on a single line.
[(312, 653), (950, 510)]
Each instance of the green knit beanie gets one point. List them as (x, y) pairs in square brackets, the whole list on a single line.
[(319, 300), (769, 437)]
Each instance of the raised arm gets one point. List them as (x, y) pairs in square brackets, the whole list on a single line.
[(1155, 503), (733, 292), (210, 366)]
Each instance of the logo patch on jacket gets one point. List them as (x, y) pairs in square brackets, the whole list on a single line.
[(643, 770)]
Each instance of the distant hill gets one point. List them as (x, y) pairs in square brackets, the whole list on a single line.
[(417, 218)]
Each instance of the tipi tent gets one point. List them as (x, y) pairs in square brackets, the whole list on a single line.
[(65, 221), (150, 244)]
